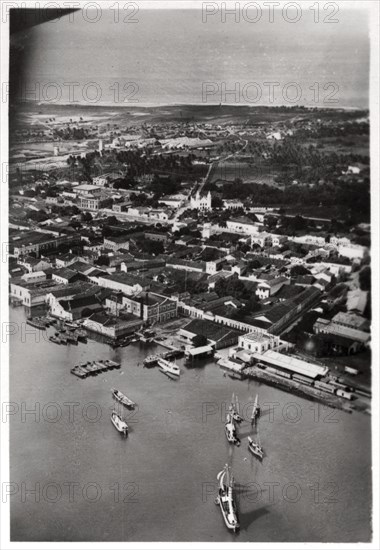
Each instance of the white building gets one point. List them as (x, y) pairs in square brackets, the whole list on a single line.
[(244, 226), (259, 343), (269, 288), (201, 203)]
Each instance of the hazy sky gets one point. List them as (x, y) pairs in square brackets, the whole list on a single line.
[(169, 56)]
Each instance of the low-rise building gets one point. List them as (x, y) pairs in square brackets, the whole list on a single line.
[(37, 242), (94, 203), (269, 288), (259, 343), (243, 225), (218, 336), (325, 326), (66, 275), (116, 243), (124, 282), (120, 207), (151, 307), (112, 327), (34, 277), (34, 264)]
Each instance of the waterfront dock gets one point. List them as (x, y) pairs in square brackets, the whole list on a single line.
[(297, 388)]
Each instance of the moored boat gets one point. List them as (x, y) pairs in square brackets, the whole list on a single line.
[(150, 361), (123, 399), (226, 499), (230, 431), (119, 423), (55, 340), (255, 448), (168, 367), (36, 323), (234, 409)]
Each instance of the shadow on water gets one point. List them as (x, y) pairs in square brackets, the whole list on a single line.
[(247, 518), (244, 434)]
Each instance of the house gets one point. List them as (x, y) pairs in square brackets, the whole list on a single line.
[(269, 288), (159, 215), (65, 260), (262, 239), (34, 264), (116, 243), (278, 240), (213, 279), (120, 207), (100, 181)]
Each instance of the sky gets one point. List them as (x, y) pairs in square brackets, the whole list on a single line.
[(176, 56)]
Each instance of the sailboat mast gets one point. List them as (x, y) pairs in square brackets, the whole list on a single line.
[(237, 406)]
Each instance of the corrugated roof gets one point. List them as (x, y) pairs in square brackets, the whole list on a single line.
[(293, 364)]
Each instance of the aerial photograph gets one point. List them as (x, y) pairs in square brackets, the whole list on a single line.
[(189, 273)]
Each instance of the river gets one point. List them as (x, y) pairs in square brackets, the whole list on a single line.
[(159, 484)]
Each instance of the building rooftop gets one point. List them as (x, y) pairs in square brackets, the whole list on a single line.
[(209, 329), (293, 364)]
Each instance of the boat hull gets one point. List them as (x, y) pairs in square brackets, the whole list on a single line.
[(119, 424), (231, 526)]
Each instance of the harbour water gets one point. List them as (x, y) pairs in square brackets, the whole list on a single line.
[(90, 484)]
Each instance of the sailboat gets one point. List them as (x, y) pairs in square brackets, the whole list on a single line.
[(225, 499), (119, 422), (230, 430), (234, 409), (255, 411), (255, 448)]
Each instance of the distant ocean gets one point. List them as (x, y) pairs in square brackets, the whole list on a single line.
[(172, 57)]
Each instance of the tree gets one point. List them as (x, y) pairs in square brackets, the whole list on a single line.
[(199, 340), (216, 202), (86, 217)]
